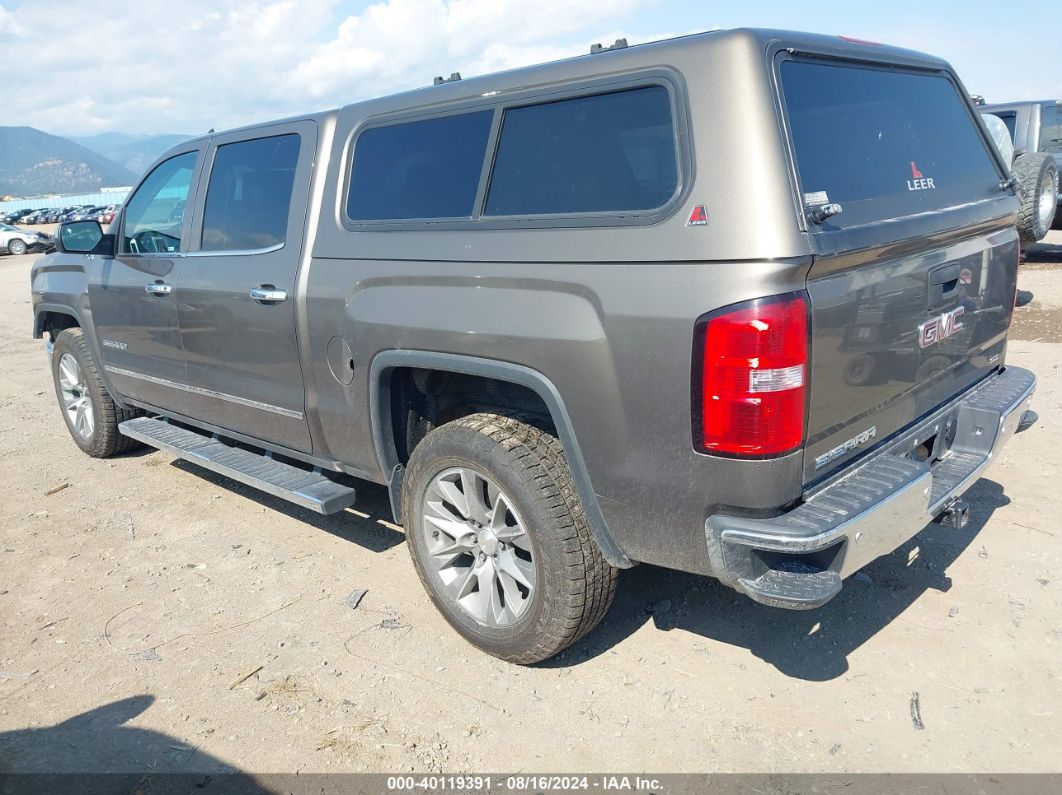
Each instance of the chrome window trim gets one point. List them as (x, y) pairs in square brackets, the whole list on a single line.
[(242, 252)]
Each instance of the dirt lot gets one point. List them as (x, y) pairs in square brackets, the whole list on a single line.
[(157, 617)]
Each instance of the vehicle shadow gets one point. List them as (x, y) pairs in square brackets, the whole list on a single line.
[(139, 451), (97, 751), (1044, 252), (812, 645), (359, 525)]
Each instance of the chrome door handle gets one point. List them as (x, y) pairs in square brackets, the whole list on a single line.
[(158, 288), (268, 295)]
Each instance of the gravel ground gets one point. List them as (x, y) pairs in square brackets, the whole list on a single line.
[(154, 616)]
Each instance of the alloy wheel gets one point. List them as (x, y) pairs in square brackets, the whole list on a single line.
[(76, 402), (479, 547), (1048, 201)]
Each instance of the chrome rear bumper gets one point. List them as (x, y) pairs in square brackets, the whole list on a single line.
[(799, 559)]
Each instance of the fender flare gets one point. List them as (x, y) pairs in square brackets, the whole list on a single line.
[(90, 336), (387, 456)]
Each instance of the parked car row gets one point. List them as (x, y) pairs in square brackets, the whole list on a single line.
[(27, 217), (15, 216), (59, 215)]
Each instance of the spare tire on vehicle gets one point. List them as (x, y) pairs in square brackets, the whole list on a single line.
[(1037, 177)]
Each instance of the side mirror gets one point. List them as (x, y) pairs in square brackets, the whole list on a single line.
[(84, 237)]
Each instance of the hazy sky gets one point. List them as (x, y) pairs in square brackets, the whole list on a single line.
[(143, 66)]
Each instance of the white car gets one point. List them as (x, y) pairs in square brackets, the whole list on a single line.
[(19, 241)]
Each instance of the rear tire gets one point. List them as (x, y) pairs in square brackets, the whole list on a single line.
[(519, 470), (91, 415), (1037, 176)]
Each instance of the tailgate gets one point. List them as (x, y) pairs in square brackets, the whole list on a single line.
[(892, 340), (912, 287)]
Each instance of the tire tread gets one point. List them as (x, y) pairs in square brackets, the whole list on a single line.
[(538, 456), (109, 440), (1029, 170)]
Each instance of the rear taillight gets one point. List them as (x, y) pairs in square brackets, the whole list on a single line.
[(750, 377)]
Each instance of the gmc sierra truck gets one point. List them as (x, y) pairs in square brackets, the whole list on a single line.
[(734, 303)]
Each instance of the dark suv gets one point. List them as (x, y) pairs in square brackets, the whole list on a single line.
[(735, 303)]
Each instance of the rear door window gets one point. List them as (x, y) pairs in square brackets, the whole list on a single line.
[(603, 153), (883, 143), (249, 194), (420, 169)]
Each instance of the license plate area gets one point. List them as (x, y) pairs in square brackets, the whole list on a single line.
[(923, 449), (932, 442)]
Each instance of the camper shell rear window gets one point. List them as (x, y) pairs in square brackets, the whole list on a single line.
[(883, 142)]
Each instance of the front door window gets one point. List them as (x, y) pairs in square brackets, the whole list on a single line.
[(154, 215)]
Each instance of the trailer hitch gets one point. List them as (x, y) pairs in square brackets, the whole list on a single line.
[(956, 514)]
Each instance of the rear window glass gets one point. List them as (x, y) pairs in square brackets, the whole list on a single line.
[(421, 169), (883, 143), (604, 153), (1011, 120)]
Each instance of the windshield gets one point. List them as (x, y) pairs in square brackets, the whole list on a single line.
[(883, 143)]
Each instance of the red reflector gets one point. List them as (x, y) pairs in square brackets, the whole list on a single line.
[(753, 378)]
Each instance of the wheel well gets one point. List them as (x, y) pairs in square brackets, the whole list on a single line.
[(52, 323), (423, 399)]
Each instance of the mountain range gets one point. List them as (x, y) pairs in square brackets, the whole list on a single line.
[(33, 162), (135, 152)]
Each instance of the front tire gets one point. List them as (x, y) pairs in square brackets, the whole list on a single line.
[(500, 540), (16, 247), (92, 417)]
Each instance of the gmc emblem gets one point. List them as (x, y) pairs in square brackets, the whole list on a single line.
[(940, 328)]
